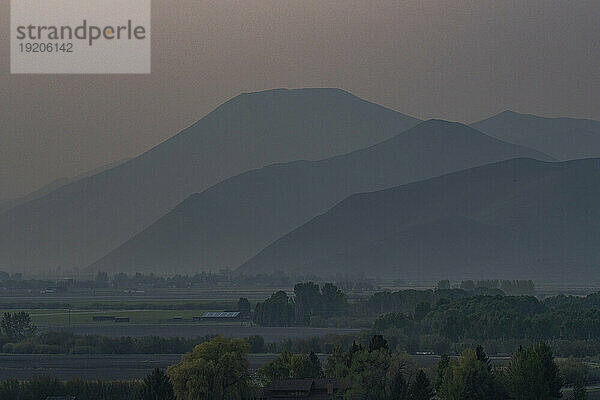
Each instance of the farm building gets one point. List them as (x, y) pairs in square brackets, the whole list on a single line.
[(61, 398), (315, 389), (103, 318), (220, 316)]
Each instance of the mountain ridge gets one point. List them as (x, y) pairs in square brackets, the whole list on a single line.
[(230, 222), (563, 138), (81, 221), (520, 218)]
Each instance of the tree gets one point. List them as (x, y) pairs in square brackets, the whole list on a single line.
[(316, 369), (305, 366), (573, 372), (243, 306), (579, 392), (378, 343), (277, 310), (217, 369), (421, 310), (257, 343), (17, 326), (307, 301), (420, 389), (397, 388), (400, 376), (469, 379), (532, 374), (368, 378), (443, 284), (291, 366), (364, 374), (101, 279), (443, 365), (333, 300), (277, 369), (482, 357), (157, 386)]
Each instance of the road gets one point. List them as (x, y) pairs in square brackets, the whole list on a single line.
[(91, 367), (128, 366), (235, 330)]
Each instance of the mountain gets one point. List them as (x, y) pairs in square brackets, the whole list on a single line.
[(517, 219), (80, 222), (561, 138), (55, 184), (230, 222), (4, 204)]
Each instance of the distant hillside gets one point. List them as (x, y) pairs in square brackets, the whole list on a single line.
[(230, 222), (561, 138), (52, 186), (80, 222), (518, 218)]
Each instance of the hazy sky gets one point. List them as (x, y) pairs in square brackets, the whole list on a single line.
[(454, 59)]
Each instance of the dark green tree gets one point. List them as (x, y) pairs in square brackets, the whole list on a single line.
[(101, 279), (579, 392), (482, 356), (574, 372), (17, 326), (421, 310), (378, 343), (532, 374), (291, 366), (398, 388), (316, 368), (277, 310), (377, 374), (257, 343), (214, 370), (469, 379), (157, 386), (243, 306), (443, 284), (443, 365), (421, 389), (333, 300), (307, 300)]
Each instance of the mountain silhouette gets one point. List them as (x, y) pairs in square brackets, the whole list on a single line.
[(81, 221), (515, 219), (230, 222), (561, 138), (55, 184)]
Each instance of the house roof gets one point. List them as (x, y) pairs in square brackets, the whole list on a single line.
[(324, 383), (61, 398), (225, 314), (302, 385)]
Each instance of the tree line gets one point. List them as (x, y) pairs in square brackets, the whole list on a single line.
[(219, 369), (309, 301)]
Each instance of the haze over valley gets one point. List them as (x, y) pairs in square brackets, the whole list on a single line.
[(245, 187)]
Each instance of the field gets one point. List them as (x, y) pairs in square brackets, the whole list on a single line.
[(157, 319), (50, 318), (136, 366), (112, 367), (236, 330), (130, 366)]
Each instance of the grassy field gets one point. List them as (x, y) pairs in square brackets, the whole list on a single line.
[(58, 317)]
